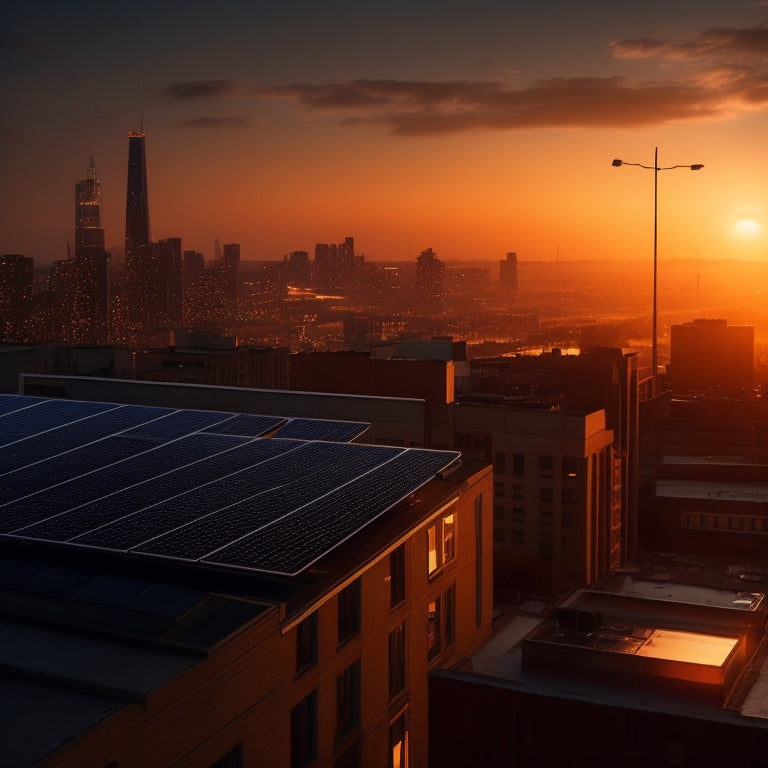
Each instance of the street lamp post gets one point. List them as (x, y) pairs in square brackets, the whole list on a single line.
[(655, 168)]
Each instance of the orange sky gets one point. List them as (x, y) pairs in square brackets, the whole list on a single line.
[(489, 129)]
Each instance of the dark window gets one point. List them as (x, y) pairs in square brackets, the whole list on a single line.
[(348, 698), (233, 759), (449, 615), (441, 621), (306, 643), (397, 576), (498, 512), (545, 495), (499, 460), (350, 758), (545, 464), (570, 467), (304, 731), (518, 463), (518, 537), (434, 620), (349, 611), (499, 535), (396, 660)]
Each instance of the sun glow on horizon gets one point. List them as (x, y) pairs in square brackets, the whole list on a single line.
[(748, 228)]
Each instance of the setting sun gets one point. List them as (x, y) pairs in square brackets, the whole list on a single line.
[(747, 227)]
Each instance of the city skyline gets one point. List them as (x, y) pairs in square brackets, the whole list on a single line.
[(483, 130)]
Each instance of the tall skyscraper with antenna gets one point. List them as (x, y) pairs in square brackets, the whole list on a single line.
[(137, 237)]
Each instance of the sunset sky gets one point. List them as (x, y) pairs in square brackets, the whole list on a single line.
[(474, 127)]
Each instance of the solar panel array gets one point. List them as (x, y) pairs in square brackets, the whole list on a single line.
[(196, 486)]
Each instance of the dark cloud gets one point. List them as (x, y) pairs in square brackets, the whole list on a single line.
[(200, 89), (721, 71), (215, 122), (420, 108)]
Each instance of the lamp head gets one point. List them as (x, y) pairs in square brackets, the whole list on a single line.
[(616, 163), (697, 166)]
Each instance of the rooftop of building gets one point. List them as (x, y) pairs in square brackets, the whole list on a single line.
[(92, 623), (675, 635)]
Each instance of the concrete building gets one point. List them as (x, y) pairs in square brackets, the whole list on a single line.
[(124, 644), (648, 671), (710, 355)]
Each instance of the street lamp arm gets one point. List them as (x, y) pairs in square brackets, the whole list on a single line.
[(694, 166)]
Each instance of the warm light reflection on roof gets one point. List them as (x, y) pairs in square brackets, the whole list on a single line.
[(692, 647)]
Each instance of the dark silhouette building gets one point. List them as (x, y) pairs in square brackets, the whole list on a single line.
[(711, 355), (137, 235), (508, 274), (16, 276)]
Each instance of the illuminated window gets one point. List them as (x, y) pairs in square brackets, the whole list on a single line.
[(570, 467), (441, 543), (306, 643), (399, 750)]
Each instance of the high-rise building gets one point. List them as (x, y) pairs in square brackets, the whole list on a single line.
[(508, 273), (136, 205), (83, 286), (88, 231), (16, 274)]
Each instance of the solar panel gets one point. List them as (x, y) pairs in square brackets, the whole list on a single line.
[(247, 424), (10, 403), (295, 479), (102, 482), (295, 542), (197, 486), (318, 429), (43, 416), (70, 436)]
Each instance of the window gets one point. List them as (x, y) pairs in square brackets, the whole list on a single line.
[(349, 611), (441, 543), (306, 643), (397, 576), (441, 621), (304, 731), (449, 614), (570, 467), (399, 750), (545, 495), (545, 465), (396, 660), (233, 759), (518, 463), (348, 698), (518, 537), (433, 628), (518, 492), (498, 511), (499, 535), (500, 460), (498, 490)]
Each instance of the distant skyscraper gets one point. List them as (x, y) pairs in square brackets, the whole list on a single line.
[(88, 232), (508, 273), (82, 285), (136, 205), (16, 275)]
